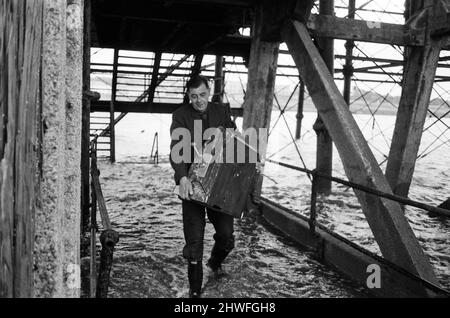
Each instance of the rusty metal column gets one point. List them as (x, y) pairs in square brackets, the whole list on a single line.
[(348, 67), (85, 138), (218, 80), (324, 153), (299, 116), (112, 134)]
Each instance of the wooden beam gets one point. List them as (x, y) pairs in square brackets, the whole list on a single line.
[(139, 107), (172, 19), (366, 31), (418, 79), (21, 29), (324, 148), (171, 36), (9, 79), (227, 3), (440, 24), (228, 45), (344, 256), (262, 72), (390, 227)]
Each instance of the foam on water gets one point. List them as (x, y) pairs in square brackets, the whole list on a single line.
[(148, 261), (143, 209)]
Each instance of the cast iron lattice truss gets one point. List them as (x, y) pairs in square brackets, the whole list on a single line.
[(376, 68)]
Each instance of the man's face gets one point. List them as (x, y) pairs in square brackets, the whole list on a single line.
[(199, 97)]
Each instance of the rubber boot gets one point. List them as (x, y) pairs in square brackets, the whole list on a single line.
[(215, 261), (195, 275)]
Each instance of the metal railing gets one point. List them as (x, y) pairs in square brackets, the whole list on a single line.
[(154, 155), (312, 221), (99, 284)]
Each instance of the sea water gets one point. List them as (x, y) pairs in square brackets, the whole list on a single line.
[(146, 213)]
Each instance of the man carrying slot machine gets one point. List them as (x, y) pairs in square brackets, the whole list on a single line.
[(188, 116)]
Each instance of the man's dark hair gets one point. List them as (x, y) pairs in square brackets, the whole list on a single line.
[(196, 82)]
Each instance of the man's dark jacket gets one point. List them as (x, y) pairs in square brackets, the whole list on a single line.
[(216, 115)]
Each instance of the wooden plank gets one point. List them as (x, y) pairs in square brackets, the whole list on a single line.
[(390, 227), (6, 212), (24, 155), (418, 78), (11, 86), (366, 31), (135, 107)]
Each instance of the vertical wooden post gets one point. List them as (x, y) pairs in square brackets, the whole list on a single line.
[(348, 67), (324, 152), (85, 125), (8, 81), (218, 80), (390, 227), (299, 116), (112, 134), (262, 70), (20, 56), (418, 79)]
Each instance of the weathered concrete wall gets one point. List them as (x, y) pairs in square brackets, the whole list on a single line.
[(56, 254), (72, 190)]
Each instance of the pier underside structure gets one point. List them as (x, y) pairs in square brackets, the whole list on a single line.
[(156, 46), (220, 31)]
